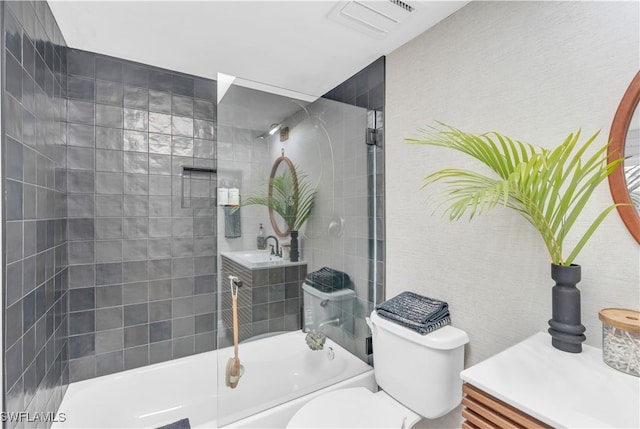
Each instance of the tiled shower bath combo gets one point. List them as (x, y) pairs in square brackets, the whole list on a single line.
[(111, 249)]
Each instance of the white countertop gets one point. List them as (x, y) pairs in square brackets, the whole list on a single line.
[(564, 390)]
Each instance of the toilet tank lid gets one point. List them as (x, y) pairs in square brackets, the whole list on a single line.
[(445, 338), (337, 295)]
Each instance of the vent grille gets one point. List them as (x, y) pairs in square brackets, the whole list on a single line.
[(402, 4)]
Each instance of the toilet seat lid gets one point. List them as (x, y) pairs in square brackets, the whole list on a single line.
[(354, 407)]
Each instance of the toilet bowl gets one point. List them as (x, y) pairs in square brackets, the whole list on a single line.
[(418, 375), (355, 407)]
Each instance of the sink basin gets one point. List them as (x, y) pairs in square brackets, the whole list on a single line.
[(253, 259)]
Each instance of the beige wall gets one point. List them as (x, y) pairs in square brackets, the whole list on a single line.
[(535, 71)]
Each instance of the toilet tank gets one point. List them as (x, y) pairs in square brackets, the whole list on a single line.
[(320, 308), (422, 372)]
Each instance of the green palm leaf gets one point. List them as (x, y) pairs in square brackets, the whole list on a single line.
[(549, 188)]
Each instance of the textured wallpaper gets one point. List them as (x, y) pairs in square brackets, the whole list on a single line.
[(535, 71)]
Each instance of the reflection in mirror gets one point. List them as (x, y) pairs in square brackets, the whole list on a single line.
[(279, 167), (632, 160)]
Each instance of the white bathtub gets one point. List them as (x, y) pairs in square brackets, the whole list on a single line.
[(281, 374)]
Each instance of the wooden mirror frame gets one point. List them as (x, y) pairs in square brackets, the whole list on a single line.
[(617, 139), (294, 175)]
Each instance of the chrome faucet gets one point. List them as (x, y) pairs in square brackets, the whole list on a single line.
[(277, 251)]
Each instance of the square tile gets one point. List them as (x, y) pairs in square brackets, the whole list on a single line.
[(107, 274), (80, 111), (136, 119), (182, 106), (135, 271), (160, 331), (108, 251), (136, 357), (109, 205), (159, 248), (137, 98), (80, 135), (182, 85), (107, 228), (159, 143), (136, 227), (108, 69), (135, 141), (135, 162), (159, 289), (80, 158), (109, 296), (135, 75), (109, 116), (134, 250), (109, 183), (159, 310), (181, 126), (109, 363), (109, 93), (109, 160), (159, 101), (136, 314), (108, 318), (82, 299), (159, 123), (80, 88), (109, 138), (136, 335), (81, 322), (81, 63), (159, 80)]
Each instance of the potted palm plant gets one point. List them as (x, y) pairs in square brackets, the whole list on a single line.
[(291, 196), (548, 187)]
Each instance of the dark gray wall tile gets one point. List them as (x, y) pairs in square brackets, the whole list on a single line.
[(108, 69)]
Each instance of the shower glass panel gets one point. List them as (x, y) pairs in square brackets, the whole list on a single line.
[(325, 141)]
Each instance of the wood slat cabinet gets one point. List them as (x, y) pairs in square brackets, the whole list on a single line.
[(483, 411)]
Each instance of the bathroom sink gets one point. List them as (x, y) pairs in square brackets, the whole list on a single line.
[(253, 259)]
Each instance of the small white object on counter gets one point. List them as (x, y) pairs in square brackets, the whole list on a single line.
[(559, 388)]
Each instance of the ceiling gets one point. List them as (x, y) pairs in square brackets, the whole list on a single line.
[(286, 44)]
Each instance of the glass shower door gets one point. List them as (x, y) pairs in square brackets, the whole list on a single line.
[(297, 143)]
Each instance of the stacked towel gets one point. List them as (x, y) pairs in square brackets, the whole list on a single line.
[(328, 280), (415, 312)]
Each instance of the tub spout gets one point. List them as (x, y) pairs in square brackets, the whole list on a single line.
[(332, 322)]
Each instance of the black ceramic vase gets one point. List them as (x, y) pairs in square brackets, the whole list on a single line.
[(295, 253), (567, 332)]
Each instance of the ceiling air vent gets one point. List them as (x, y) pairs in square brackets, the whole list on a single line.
[(375, 18), (403, 5)]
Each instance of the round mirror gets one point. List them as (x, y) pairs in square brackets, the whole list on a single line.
[(624, 141), (280, 227)]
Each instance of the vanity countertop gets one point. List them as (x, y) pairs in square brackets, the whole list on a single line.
[(576, 390)]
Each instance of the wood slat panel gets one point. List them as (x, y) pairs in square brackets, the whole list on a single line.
[(467, 425), (477, 420), (516, 416), (489, 414)]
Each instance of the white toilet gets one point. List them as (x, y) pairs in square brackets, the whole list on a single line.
[(419, 376)]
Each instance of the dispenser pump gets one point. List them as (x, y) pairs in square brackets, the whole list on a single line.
[(261, 240)]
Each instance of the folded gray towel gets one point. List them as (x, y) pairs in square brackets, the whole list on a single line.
[(180, 424), (416, 312)]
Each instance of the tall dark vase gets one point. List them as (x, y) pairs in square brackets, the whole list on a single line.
[(295, 254), (565, 327)]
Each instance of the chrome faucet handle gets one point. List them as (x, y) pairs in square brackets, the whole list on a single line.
[(272, 251)]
